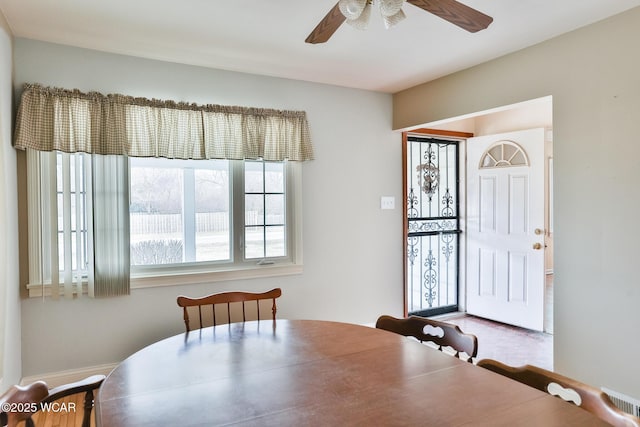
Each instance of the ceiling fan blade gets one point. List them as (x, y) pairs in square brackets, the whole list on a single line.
[(455, 12), (325, 29)]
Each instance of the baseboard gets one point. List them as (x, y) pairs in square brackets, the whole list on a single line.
[(54, 379)]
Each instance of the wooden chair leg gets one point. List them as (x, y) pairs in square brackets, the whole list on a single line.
[(88, 407)]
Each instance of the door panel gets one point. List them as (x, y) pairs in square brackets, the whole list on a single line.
[(505, 192), (487, 273), (518, 205), (517, 277), (432, 225), (488, 206)]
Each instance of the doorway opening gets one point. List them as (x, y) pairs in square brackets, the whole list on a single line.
[(420, 299)]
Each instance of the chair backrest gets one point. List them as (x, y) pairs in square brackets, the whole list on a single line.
[(570, 390), (19, 403), (442, 334), (226, 299), (32, 398)]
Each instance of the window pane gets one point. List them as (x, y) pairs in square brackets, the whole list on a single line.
[(60, 212), (274, 177), (74, 263), (59, 183), (509, 151), (275, 245), (265, 207), (274, 209), (156, 215), (83, 249), (519, 159), (60, 251), (74, 162), (74, 252), (213, 241), (254, 209), (496, 152), (74, 213), (254, 242), (182, 211), (253, 177)]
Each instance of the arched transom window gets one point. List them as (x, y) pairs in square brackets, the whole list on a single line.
[(504, 154)]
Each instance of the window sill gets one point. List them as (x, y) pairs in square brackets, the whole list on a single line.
[(186, 278), (189, 278)]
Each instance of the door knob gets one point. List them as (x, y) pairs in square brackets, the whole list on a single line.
[(537, 246), (538, 231)]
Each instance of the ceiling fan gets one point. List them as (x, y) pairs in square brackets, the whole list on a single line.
[(356, 13)]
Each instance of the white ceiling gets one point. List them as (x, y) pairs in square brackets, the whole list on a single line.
[(267, 36)]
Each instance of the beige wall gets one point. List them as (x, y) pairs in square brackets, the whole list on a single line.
[(528, 115), (592, 74), (352, 249), (535, 113), (10, 362)]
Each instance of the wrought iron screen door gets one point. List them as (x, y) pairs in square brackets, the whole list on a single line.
[(432, 225)]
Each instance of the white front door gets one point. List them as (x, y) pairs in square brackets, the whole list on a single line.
[(505, 227)]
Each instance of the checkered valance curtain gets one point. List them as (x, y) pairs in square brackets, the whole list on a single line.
[(71, 121)]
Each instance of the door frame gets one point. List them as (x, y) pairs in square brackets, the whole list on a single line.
[(461, 136), (462, 278)]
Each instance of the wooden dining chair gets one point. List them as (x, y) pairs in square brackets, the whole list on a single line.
[(582, 395), (20, 403), (225, 299), (440, 333)]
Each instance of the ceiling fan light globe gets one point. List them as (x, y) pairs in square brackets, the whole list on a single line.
[(362, 21), (392, 21), (352, 9), (390, 8)]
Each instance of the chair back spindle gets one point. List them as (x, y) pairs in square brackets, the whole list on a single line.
[(226, 299)]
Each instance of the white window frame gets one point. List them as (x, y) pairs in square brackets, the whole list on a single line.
[(238, 268)]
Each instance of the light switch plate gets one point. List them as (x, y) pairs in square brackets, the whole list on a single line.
[(387, 202)]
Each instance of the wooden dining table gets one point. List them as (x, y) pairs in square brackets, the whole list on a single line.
[(315, 373)]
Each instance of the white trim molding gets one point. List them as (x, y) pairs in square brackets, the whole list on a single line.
[(55, 379)]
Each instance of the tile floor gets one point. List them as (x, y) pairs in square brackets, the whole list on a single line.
[(508, 344)]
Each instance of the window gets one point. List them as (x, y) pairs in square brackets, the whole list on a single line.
[(60, 220), (264, 209), (215, 216), (185, 216), (71, 194), (504, 154), (182, 212)]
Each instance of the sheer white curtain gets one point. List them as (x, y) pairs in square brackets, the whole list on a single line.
[(78, 224), (57, 222)]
